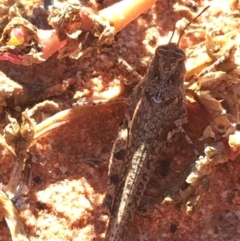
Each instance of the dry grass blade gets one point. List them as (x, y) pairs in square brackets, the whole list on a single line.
[(60, 118), (9, 212)]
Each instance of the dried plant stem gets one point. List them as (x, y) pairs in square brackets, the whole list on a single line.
[(15, 175)]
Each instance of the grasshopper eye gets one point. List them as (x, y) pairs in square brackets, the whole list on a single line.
[(179, 55)]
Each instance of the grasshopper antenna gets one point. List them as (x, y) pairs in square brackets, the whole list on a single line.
[(173, 22), (181, 34)]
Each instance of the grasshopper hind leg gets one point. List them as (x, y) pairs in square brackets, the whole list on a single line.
[(115, 168)]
